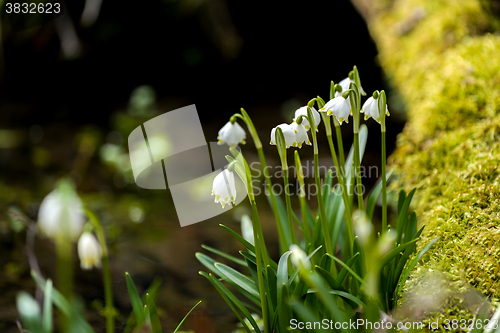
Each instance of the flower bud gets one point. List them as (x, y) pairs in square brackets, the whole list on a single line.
[(89, 251)]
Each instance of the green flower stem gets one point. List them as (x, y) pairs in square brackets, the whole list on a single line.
[(64, 276), (382, 103), (321, 206), (280, 144), (251, 197), (302, 199), (110, 311), (355, 98), (261, 257), (340, 145), (267, 177)]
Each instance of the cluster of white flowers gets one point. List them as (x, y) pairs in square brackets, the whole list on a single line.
[(340, 105), (61, 217), (295, 134)]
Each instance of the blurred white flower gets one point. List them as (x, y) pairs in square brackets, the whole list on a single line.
[(232, 135), (370, 108), (224, 188), (340, 107), (299, 258), (288, 132), (300, 134), (61, 213), (303, 112), (345, 83), (89, 251)]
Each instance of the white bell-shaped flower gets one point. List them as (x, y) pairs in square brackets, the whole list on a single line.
[(224, 188), (289, 133), (345, 83), (300, 134), (61, 213), (89, 251), (231, 134), (303, 112), (340, 107), (299, 258), (370, 108)]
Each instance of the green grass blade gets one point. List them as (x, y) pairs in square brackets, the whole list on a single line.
[(208, 262), (374, 194), (62, 304), (153, 315), (242, 240), (356, 276), (185, 317), (394, 253), (403, 215), (232, 301), (135, 300), (225, 255), (343, 273), (410, 268), (238, 278), (47, 307)]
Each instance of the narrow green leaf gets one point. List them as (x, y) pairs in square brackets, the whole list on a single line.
[(135, 300), (334, 285), (410, 268), (343, 273), (232, 301), (153, 315), (224, 255), (62, 304), (374, 194), (401, 200), (403, 215), (47, 307), (394, 252), (272, 284), (284, 309), (347, 268), (238, 278), (239, 238), (183, 319), (208, 262), (411, 228)]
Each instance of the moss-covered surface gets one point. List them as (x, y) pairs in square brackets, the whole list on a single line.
[(444, 59)]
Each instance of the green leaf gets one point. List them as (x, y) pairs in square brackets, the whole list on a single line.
[(394, 252), (135, 300), (183, 319), (47, 307), (62, 304), (401, 200), (208, 262), (153, 315), (356, 276), (272, 284), (30, 312), (306, 315), (343, 273), (335, 285), (374, 194), (238, 278), (224, 255), (403, 215), (411, 228), (410, 268), (284, 309), (232, 301), (243, 241)]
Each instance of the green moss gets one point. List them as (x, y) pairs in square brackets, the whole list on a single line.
[(446, 66)]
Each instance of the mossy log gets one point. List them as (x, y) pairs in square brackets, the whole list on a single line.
[(443, 57)]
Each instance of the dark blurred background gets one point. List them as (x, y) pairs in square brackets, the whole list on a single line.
[(73, 86)]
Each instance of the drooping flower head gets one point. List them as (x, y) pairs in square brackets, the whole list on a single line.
[(303, 112), (345, 83), (61, 213), (231, 134), (289, 133), (89, 251), (340, 107), (300, 133), (224, 188), (299, 258), (370, 108)]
